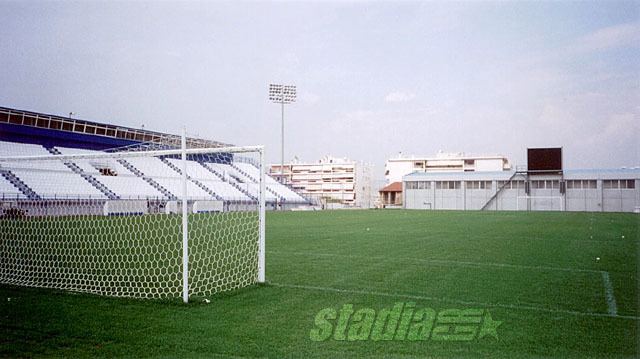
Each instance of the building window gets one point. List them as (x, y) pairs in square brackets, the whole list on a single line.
[(29, 120), (55, 124), (448, 185), (43, 122), (582, 184), (478, 184), (627, 184), (510, 184), (15, 119), (537, 184), (622, 184), (548, 184), (423, 185)]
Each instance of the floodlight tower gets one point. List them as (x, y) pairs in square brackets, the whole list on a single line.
[(284, 95)]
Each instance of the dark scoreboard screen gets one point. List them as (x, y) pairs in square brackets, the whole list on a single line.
[(544, 160)]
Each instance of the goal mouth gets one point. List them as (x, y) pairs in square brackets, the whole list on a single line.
[(146, 224), (540, 203)]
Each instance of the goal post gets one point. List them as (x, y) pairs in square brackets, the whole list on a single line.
[(170, 223)]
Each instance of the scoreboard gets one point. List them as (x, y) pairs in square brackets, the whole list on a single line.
[(544, 160)]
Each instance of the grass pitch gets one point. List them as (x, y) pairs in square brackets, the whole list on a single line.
[(536, 273)]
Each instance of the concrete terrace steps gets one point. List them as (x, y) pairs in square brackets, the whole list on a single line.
[(17, 182), (147, 179), (195, 181), (89, 178), (235, 185), (254, 180)]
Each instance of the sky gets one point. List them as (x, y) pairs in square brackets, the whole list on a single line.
[(373, 78)]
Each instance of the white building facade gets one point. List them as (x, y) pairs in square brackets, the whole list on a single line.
[(597, 190), (329, 181), (397, 168)]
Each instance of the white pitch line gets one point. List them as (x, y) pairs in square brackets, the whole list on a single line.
[(455, 301), (608, 289), (441, 261)]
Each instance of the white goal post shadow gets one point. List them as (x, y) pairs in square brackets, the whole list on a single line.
[(530, 199), (183, 152)]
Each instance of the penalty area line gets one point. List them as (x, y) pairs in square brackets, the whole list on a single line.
[(440, 262), (448, 300), (608, 290)]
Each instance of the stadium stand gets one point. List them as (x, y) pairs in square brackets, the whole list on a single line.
[(27, 133), (217, 185), (114, 175), (229, 174), (48, 179), (9, 191), (251, 173), (166, 177)]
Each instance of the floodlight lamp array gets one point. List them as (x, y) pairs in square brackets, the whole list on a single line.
[(282, 93)]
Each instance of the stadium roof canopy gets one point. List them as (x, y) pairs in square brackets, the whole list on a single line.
[(25, 126)]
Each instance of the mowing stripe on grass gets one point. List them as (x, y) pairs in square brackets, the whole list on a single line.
[(439, 261), (608, 289), (448, 300)]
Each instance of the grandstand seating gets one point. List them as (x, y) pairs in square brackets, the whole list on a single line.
[(252, 173), (115, 176), (7, 190), (217, 185), (49, 179), (139, 177), (166, 177)]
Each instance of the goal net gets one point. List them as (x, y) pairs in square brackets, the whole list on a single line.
[(540, 203), (145, 224)]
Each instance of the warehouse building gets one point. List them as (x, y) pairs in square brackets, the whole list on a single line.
[(596, 190)]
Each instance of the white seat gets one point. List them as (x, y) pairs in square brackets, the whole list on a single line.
[(48, 178), (123, 182), (8, 190)]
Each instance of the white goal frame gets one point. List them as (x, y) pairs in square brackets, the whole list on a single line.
[(183, 152)]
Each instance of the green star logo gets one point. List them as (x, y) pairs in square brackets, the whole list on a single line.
[(489, 326)]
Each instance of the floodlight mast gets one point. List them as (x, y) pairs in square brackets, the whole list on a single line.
[(282, 94)]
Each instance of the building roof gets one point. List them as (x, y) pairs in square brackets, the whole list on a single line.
[(440, 156), (596, 173), (394, 187), (42, 121)]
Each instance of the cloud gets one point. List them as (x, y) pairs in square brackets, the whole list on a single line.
[(399, 97), (309, 97), (616, 36)]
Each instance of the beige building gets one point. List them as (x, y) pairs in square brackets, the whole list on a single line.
[(330, 180), (396, 168)]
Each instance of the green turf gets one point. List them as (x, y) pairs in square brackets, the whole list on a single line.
[(534, 272)]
